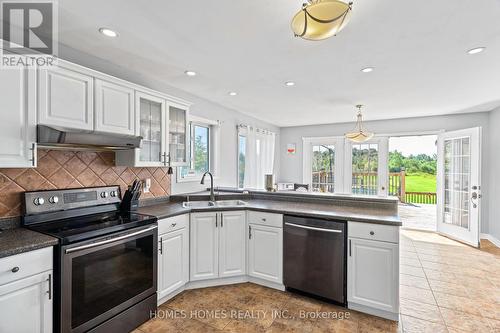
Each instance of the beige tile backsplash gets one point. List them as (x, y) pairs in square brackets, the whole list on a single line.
[(59, 169)]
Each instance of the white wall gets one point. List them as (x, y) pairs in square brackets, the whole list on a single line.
[(227, 172), (291, 165), (494, 184)]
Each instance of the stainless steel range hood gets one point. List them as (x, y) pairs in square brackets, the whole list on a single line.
[(55, 137)]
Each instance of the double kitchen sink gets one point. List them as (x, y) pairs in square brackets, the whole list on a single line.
[(214, 204)]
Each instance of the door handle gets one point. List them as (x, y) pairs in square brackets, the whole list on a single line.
[(313, 228), (216, 220), (350, 248), (49, 280), (474, 197), (107, 241), (249, 232), (161, 245), (221, 220)]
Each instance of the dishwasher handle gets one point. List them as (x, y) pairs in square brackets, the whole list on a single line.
[(313, 228)]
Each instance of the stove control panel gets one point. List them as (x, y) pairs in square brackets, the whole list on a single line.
[(55, 200)]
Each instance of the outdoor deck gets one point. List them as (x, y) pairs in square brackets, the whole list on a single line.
[(418, 216)]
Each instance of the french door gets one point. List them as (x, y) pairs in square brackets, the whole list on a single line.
[(459, 184)]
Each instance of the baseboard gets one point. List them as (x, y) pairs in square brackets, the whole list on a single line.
[(265, 283), (216, 282), (171, 295), (374, 312), (221, 282), (491, 238)]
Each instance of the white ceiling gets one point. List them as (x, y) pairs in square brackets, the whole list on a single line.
[(418, 49)]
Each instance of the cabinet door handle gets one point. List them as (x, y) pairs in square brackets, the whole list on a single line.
[(15, 269), (33, 154), (350, 248), (221, 220), (249, 232), (49, 280), (216, 220), (161, 245)]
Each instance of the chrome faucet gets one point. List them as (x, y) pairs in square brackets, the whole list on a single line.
[(212, 195)]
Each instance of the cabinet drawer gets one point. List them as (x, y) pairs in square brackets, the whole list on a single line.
[(269, 219), (385, 233), (172, 223), (28, 263)]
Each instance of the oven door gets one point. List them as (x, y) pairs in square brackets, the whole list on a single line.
[(104, 277)]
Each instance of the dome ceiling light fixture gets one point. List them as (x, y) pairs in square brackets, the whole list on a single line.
[(321, 19), (359, 134)]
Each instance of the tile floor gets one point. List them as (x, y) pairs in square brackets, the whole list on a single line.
[(445, 287)]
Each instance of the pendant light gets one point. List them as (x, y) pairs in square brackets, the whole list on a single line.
[(359, 134), (321, 19)]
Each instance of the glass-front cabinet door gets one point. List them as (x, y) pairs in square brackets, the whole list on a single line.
[(152, 128), (178, 134)]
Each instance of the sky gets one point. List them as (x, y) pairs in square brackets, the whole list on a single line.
[(414, 145)]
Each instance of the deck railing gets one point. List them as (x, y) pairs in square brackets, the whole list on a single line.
[(367, 183), (421, 197)]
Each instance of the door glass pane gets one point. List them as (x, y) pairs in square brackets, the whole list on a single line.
[(106, 278), (177, 135), (323, 168), (150, 130), (365, 168), (456, 181)]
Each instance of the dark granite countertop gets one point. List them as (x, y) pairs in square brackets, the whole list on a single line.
[(320, 210), (19, 240)]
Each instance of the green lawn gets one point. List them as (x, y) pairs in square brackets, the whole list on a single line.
[(421, 182)]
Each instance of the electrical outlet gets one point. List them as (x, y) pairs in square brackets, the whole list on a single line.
[(147, 185)]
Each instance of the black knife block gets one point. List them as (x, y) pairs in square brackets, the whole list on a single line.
[(128, 204)]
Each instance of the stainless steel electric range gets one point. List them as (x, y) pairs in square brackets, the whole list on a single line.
[(105, 264)]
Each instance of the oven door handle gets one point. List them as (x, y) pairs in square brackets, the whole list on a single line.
[(107, 241), (313, 228)]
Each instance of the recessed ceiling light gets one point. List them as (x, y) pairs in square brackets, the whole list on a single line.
[(108, 32), (232, 93), (289, 83), (367, 69), (190, 73), (476, 50)]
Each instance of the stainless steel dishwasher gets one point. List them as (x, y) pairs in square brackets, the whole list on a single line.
[(314, 257)]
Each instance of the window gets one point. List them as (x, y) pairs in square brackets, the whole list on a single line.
[(365, 168), (255, 156), (242, 143), (337, 165), (323, 168), (199, 152)]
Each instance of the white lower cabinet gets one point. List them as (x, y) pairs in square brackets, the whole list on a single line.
[(26, 298), (232, 248), (373, 273), (217, 245), (173, 255), (265, 252)]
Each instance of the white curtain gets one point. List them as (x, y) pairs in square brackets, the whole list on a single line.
[(259, 155)]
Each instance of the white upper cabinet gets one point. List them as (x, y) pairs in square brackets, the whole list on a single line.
[(114, 108), (18, 114), (178, 133), (232, 245), (65, 97)]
